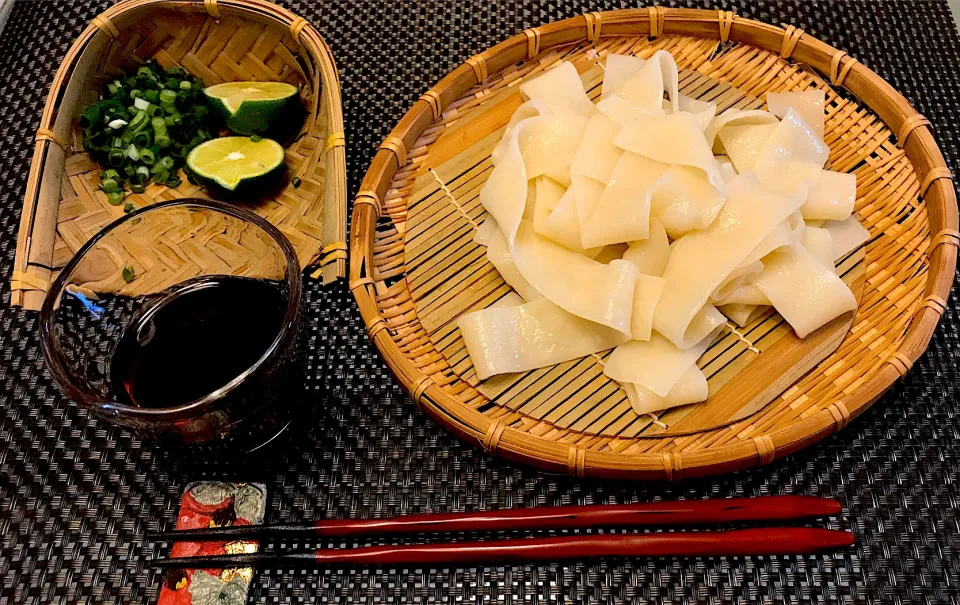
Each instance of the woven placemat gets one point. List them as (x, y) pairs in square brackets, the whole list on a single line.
[(77, 495)]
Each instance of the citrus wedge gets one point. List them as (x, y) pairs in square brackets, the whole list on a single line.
[(252, 107), (236, 164)]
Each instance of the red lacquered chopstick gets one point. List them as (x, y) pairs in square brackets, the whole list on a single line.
[(681, 512), (762, 541)]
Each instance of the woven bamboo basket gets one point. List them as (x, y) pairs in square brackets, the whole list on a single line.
[(414, 268), (219, 41)]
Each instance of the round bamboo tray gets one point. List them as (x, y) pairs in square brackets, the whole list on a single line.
[(219, 41), (905, 198)]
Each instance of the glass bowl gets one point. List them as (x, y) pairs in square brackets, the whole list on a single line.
[(158, 324)]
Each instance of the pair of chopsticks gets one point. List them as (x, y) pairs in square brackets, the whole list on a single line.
[(758, 541)]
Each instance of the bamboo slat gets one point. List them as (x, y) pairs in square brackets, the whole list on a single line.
[(419, 205), (219, 41)]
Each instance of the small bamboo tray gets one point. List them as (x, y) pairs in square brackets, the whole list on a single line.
[(219, 41), (414, 268)]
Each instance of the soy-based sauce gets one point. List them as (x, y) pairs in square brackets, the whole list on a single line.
[(195, 340)]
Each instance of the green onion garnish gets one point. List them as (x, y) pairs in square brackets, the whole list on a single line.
[(144, 127)]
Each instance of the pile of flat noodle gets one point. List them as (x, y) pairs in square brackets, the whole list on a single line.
[(645, 221)]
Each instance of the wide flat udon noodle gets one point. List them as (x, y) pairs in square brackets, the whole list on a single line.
[(559, 89), (622, 213), (702, 260), (547, 193), (529, 336), (832, 197), (808, 103), (645, 298), (743, 143), (684, 200), (602, 293), (704, 111), (597, 155), (727, 169), (747, 294), (847, 236), (617, 70), (735, 117), (742, 315), (655, 364), (485, 232), (563, 224), (548, 144), (498, 253), (793, 155), (644, 87), (510, 299), (650, 255), (673, 139), (622, 111), (804, 291), (504, 195), (691, 387), (738, 286), (743, 274), (610, 253), (529, 109), (819, 243)]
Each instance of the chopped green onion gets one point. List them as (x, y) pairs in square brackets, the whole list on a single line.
[(128, 274), (139, 121), (295, 181), (128, 207), (116, 157), (90, 116), (256, 138), (135, 221), (149, 110), (142, 139), (160, 134)]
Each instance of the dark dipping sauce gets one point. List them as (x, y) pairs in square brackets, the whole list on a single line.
[(196, 339)]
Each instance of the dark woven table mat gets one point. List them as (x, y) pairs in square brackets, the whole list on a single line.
[(77, 495)]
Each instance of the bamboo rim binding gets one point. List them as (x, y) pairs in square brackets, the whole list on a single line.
[(317, 158), (501, 433)]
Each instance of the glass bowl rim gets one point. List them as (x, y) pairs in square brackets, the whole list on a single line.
[(287, 330)]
